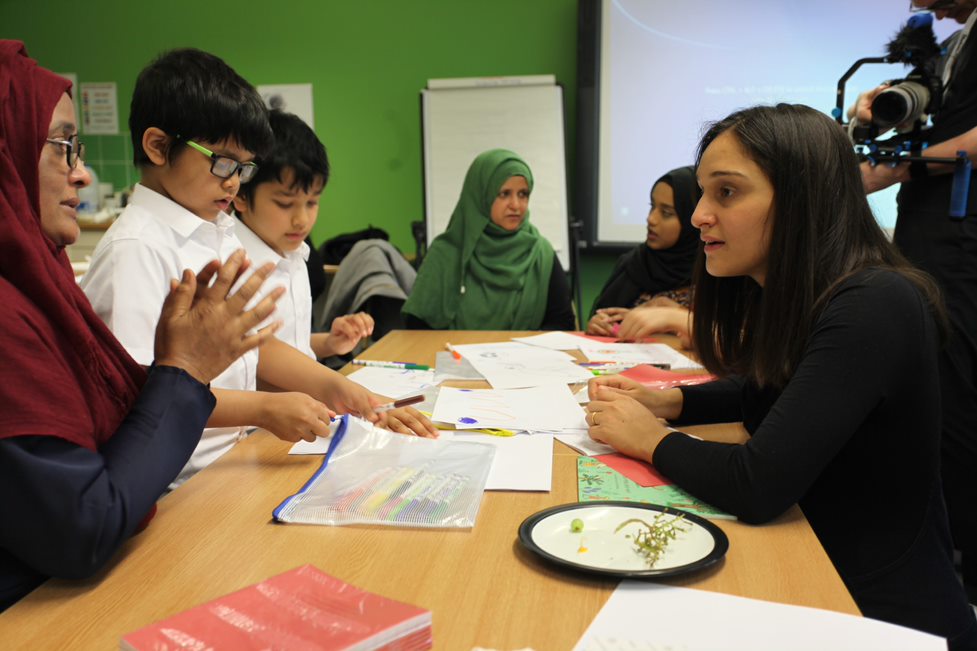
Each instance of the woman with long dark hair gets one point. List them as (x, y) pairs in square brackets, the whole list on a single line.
[(826, 343)]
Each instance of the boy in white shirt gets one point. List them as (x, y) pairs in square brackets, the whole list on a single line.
[(278, 209), (196, 126)]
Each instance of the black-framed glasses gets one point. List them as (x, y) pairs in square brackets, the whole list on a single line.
[(223, 167), (74, 149), (936, 6)]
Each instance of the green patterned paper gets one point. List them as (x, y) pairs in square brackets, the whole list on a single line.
[(598, 483)]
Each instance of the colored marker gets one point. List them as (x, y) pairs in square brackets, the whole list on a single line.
[(454, 353), (379, 364), (397, 404)]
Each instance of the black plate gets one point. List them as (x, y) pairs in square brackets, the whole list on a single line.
[(598, 550)]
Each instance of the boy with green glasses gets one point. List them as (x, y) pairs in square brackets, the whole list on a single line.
[(196, 127)]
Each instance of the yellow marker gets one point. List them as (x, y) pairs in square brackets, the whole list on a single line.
[(488, 430), (492, 431)]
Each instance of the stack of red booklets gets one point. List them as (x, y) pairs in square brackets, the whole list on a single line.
[(304, 608)]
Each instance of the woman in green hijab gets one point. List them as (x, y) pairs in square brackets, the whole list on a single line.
[(491, 269)]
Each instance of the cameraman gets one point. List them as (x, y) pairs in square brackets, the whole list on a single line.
[(947, 249)]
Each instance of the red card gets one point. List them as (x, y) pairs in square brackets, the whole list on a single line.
[(657, 378), (641, 473)]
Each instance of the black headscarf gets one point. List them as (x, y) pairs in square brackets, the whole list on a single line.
[(645, 271)]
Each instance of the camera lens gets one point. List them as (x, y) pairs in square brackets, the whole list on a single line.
[(903, 102)]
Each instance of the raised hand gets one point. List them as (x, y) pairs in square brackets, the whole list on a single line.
[(203, 328), (346, 332)]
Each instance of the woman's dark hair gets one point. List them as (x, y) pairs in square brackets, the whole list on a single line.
[(194, 95), (295, 147), (822, 231)]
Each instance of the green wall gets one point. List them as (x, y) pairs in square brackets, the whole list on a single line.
[(366, 59)]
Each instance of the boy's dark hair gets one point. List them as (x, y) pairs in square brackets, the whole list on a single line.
[(193, 95), (295, 146)]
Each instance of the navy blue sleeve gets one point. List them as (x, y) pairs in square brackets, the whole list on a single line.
[(67, 509)]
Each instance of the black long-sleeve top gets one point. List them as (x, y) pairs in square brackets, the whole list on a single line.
[(66, 510), (559, 309), (854, 438)]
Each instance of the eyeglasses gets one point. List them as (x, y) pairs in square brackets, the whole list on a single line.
[(224, 167), (936, 6), (74, 149)]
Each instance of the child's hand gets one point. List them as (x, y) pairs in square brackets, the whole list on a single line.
[(348, 397), (602, 323), (408, 420), (294, 416), (346, 331)]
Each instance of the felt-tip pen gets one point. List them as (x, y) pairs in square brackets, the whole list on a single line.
[(454, 353), (379, 364), (397, 404)]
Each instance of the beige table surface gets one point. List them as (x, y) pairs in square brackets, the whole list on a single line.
[(215, 535)]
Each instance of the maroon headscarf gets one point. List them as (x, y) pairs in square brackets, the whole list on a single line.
[(62, 372)]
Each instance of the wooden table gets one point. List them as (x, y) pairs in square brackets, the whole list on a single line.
[(215, 535)]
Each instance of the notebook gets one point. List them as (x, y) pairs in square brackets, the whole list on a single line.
[(303, 608)]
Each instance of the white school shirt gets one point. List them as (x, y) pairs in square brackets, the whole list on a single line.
[(294, 308), (152, 241)]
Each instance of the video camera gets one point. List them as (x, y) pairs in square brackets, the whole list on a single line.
[(906, 106)]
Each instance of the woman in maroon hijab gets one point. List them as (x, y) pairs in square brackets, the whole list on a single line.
[(88, 439)]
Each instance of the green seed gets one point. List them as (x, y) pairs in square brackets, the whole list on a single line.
[(576, 526)]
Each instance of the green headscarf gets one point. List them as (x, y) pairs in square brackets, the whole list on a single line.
[(479, 276)]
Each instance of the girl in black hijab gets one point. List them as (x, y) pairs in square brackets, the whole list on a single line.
[(658, 272)]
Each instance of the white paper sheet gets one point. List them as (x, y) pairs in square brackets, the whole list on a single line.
[(652, 617), (318, 446), (523, 462), (582, 443), (511, 365), (393, 382), (553, 340), (548, 408), (637, 354)]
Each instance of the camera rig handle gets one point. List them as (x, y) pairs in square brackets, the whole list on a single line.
[(962, 167), (838, 112)]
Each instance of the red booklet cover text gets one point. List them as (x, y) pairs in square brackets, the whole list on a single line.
[(302, 609)]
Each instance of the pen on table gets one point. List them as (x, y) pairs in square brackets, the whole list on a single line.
[(454, 353), (380, 364), (397, 404), (626, 365)]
